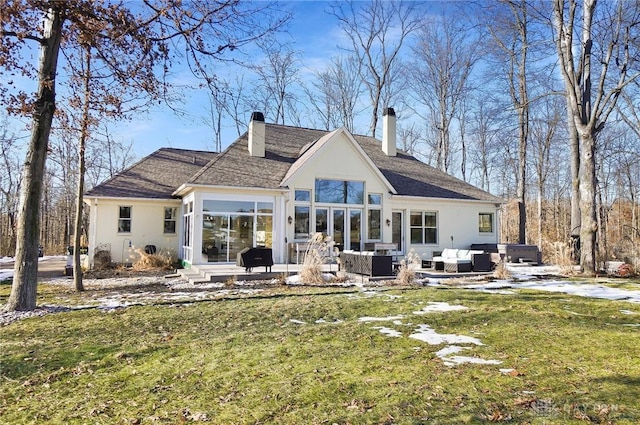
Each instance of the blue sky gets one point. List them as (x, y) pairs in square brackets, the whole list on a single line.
[(315, 35)]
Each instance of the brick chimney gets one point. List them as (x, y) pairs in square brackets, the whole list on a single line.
[(389, 132), (256, 135)]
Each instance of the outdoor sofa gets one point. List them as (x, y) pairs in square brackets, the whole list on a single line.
[(462, 260)]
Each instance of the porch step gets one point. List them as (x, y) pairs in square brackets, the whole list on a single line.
[(223, 272)]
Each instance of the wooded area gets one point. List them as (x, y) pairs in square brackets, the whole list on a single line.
[(536, 102)]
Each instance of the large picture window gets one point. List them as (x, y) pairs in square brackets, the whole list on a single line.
[(424, 227), (230, 226), (124, 220), (339, 191)]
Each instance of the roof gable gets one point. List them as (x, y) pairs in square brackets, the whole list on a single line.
[(326, 142)]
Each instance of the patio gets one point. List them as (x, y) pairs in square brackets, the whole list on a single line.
[(223, 272)]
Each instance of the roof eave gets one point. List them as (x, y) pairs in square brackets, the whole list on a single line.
[(185, 188), (89, 199), (497, 202)]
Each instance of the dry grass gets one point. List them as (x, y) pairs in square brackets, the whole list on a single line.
[(340, 278), (501, 272), (407, 270), (161, 260), (318, 249), (271, 360), (281, 279), (559, 253)]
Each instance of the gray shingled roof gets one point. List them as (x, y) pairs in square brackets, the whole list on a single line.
[(156, 176), (161, 173), (409, 176)]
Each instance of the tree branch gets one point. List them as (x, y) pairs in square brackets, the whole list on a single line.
[(4, 33)]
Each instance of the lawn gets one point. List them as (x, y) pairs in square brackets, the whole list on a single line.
[(311, 356)]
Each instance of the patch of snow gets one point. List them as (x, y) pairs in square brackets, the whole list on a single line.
[(506, 371), (364, 294), (388, 331), (297, 322), (426, 334), (336, 322), (629, 312), (367, 319), (449, 360), (440, 307), (579, 289), (6, 274), (296, 279), (449, 350)]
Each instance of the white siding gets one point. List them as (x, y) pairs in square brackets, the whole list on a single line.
[(147, 228), (455, 218)]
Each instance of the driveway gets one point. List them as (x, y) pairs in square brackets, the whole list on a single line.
[(48, 267)]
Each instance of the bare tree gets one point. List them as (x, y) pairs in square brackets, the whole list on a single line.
[(277, 77), (544, 127), (238, 106), (444, 58), (107, 156), (510, 32), (219, 94), (409, 139), (199, 28), (9, 186), (377, 31), (335, 93), (607, 45)]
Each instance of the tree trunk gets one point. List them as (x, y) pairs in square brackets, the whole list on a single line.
[(25, 278), (84, 133), (574, 145), (589, 227), (540, 213)]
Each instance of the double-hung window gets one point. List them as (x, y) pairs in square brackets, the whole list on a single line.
[(124, 219), (170, 219), (424, 227)]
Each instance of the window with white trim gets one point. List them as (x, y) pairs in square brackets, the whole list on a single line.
[(302, 214), (301, 222), (374, 216), (170, 219), (124, 219), (424, 227)]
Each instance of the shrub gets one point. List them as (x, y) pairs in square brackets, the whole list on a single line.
[(501, 272), (161, 260), (230, 282), (407, 270), (560, 255), (319, 247)]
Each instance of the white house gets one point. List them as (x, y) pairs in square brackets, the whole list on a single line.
[(275, 186)]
